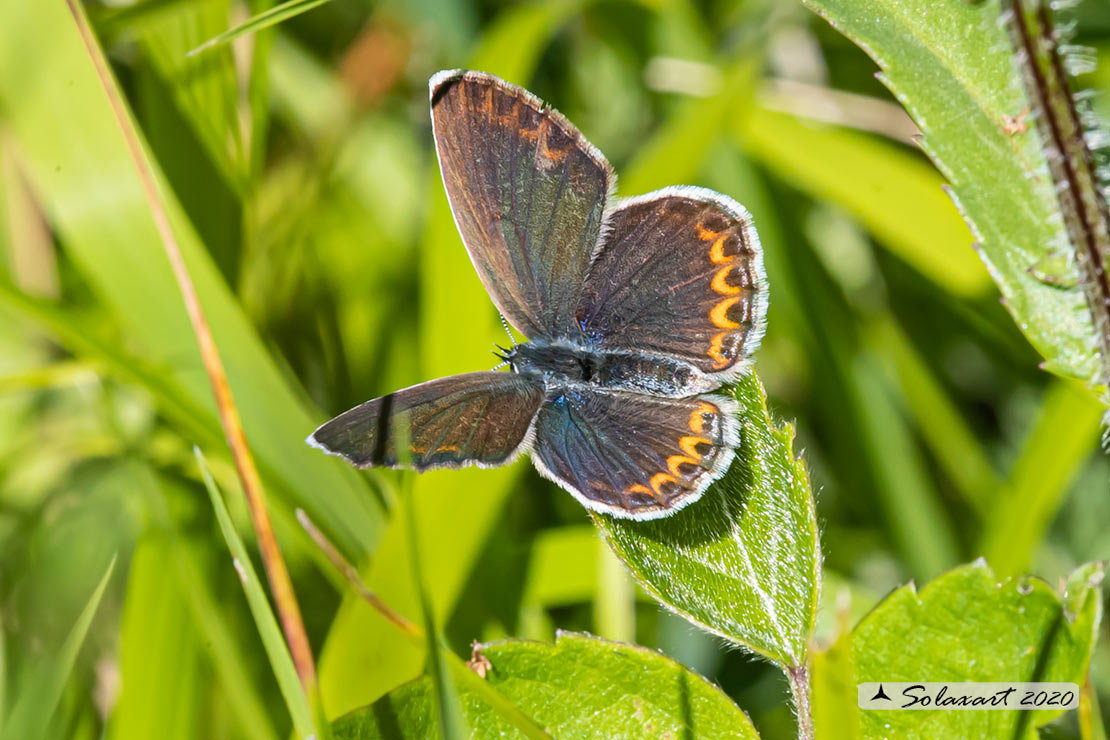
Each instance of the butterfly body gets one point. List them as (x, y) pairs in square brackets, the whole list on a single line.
[(559, 365), (636, 311)]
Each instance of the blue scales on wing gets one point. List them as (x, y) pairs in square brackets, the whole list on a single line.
[(630, 454)]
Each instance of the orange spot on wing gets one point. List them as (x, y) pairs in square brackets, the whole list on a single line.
[(689, 445), (637, 488), (719, 314), (555, 155), (447, 448), (720, 282), (697, 418), (717, 252), (707, 235), (715, 347), (658, 480), (675, 460)]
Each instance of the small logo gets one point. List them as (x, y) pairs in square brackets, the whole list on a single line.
[(953, 695), (880, 694)]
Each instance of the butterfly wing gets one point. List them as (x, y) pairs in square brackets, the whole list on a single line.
[(679, 274), (527, 192), (472, 419), (632, 455)]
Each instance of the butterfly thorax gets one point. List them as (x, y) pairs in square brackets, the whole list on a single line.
[(562, 365)]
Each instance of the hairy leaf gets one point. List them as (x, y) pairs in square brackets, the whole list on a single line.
[(581, 686), (964, 626), (951, 64), (742, 561)]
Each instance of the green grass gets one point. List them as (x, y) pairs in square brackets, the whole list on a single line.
[(294, 159)]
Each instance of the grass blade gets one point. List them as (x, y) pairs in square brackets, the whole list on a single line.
[(34, 707), (116, 250), (1064, 435), (280, 659), (278, 575), (256, 23)]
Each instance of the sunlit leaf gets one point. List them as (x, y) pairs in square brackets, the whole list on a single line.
[(160, 659), (964, 626), (951, 64), (581, 686), (742, 561), (455, 508), (1060, 441)]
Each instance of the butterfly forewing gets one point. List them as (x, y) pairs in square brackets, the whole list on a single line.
[(679, 274), (633, 455), (478, 418), (527, 192)]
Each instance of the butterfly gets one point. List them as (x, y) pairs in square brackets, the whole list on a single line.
[(637, 310)]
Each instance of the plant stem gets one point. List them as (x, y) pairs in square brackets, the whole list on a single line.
[(799, 688)]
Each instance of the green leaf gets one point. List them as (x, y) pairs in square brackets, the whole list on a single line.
[(951, 64), (113, 242), (835, 713), (191, 561), (42, 689), (742, 562), (895, 195), (958, 450), (160, 659), (1062, 439), (675, 152), (581, 686), (256, 23), (964, 626), (281, 662), (562, 567)]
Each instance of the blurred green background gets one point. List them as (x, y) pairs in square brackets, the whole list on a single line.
[(303, 186)]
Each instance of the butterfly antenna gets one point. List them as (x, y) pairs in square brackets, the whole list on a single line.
[(499, 353), (505, 324)]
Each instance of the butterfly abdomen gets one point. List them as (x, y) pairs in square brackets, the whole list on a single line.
[(560, 365)]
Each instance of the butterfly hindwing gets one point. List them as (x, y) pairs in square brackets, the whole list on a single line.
[(478, 418), (680, 273), (527, 192), (633, 455)]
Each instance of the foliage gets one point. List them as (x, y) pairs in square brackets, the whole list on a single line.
[(300, 183), (965, 626), (953, 66), (743, 561), (637, 693)]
